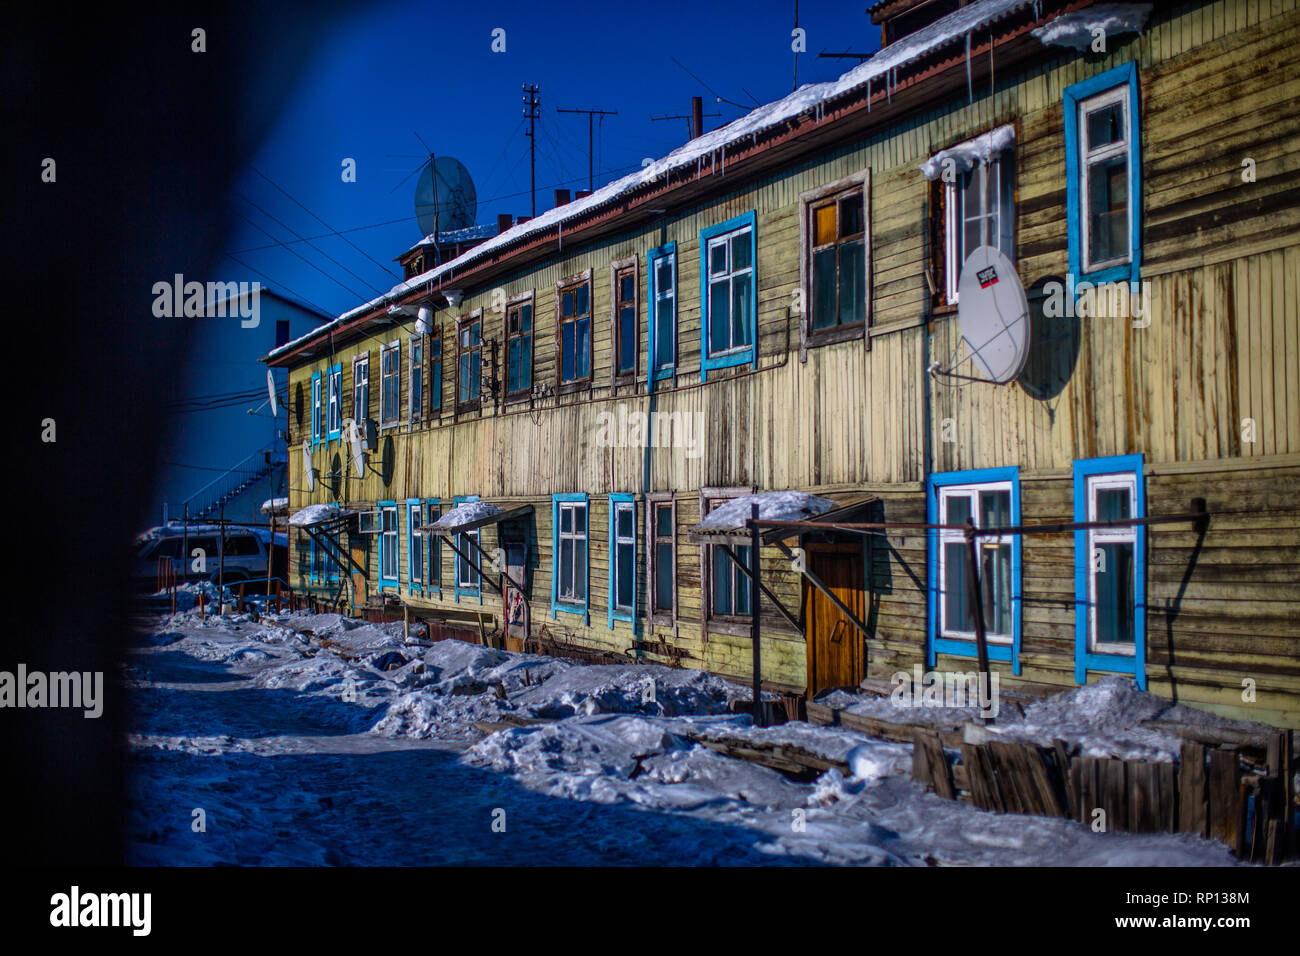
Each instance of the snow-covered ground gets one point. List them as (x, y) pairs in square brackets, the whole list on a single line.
[(323, 740)]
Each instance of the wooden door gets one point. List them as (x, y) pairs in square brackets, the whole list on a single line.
[(359, 594), (835, 645)]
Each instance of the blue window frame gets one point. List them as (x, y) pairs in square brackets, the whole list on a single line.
[(661, 296), (467, 577), (315, 567), (1110, 569), (1103, 166), (729, 293), (622, 558), (334, 403), (332, 568), (433, 547), (389, 542), (991, 496), (570, 523), (315, 409), (415, 547)]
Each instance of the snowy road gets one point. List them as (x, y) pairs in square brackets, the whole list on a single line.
[(318, 740)]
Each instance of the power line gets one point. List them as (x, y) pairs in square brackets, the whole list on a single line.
[(294, 232), (591, 115), (295, 252), (387, 268), (297, 295)]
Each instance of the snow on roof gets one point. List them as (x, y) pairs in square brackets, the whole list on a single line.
[(976, 149), (772, 506), (466, 512), (317, 514), (1079, 29), (275, 505), (484, 231), (713, 144)]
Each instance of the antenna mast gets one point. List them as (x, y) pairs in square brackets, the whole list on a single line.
[(532, 105), (591, 114)]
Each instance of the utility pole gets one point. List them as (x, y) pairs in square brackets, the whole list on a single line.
[(532, 106), (694, 119), (591, 114)]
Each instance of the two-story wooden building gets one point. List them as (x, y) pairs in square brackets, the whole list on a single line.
[(774, 307)]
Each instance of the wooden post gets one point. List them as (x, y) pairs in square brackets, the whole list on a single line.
[(977, 599), (221, 555), (754, 592), (270, 551), (185, 542)]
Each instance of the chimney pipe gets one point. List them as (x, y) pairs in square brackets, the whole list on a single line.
[(697, 116), (504, 221), (561, 197), (582, 194)]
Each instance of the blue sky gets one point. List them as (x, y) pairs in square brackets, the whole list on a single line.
[(393, 71)]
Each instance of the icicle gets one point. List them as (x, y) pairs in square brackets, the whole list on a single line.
[(868, 95), (970, 90), (723, 150), (1038, 14)]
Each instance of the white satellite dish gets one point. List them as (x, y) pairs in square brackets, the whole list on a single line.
[(308, 467), (994, 314), (354, 438), (270, 391)]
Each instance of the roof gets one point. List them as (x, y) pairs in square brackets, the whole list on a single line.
[(468, 234), (709, 148), (468, 515), (315, 515)]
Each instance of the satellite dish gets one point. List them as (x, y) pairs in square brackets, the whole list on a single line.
[(994, 314), (308, 467), (445, 198), (270, 390), (354, 438)]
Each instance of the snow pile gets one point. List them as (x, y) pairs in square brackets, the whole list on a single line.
[(650, 689), (899, 712), (313, 515), (276, 506), (1080, 28), (465, 513), (963, 156), (772, 506)]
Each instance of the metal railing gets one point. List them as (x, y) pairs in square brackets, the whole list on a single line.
[(228, 484)]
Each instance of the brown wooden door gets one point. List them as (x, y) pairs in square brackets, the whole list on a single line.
[(359, 595), (835, 645)]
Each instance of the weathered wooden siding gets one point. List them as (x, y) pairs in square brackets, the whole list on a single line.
[(1208, 383)]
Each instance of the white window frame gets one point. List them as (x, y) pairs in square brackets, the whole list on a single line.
[(653, 503), (1126, 481), (467, 578), (360, 383), (385, 549), (414, 546), (972, 492), (729, 276), (658, 295), (414, 400), (385, 420), (573, 535), (334, 409), (955, 218), (317, 419), (1089, 157)]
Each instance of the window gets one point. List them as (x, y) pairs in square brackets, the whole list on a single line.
[(624, 302), (469, 361), (728, 585), (990, 497), (729, 299), (415, 546), (569, 543), (468, 581), (435, 376), (334, 410), (519, 348), (622, 560), (662, 558), (661, 274), (390, 383), (838, 257), (1103, 176), (575, 331), (417, 377), (433, 545), (989, 506), (316, 418), (388, 539), (979, 210), (361, 389), (1110, 568), (242, 546)]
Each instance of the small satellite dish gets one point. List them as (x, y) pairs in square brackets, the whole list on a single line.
[(445, 198), (994, 314), (308, 467), (354, 439), (270, 391)]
